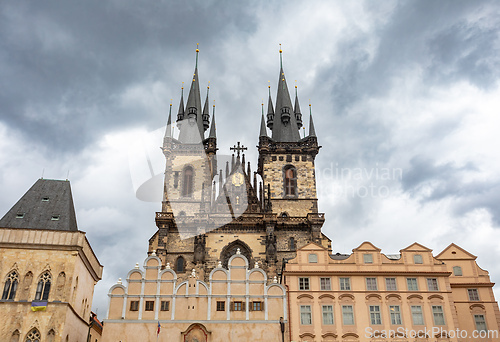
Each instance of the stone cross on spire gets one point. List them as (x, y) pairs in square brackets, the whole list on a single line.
[(238, 149)]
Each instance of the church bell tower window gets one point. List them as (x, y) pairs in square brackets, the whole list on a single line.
[(290, 181), (187, 189)]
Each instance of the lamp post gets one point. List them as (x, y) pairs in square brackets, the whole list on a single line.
[(282, 326)]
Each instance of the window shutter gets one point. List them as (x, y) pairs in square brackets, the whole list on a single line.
[(261, 306), (243, 306), (231, 306), (250, 308)]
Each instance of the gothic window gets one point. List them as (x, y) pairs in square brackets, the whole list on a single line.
[(43, 288), (187, 184), (232, 248), (33, 336), (290, 180), (179, 265), (9, 290)]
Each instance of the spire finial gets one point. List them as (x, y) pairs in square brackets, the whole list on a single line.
[(269, 87), (197, 51), (281, 57), (295, 88)]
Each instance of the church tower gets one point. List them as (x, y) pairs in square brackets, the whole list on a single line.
[(215, 207), (286, 161)]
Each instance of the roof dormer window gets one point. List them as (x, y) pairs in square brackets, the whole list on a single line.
[(45, 199), (20, 215), (55, 217)]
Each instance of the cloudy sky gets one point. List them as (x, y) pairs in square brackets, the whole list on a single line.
[(405, 97)]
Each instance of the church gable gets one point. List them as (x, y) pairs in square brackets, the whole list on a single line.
[(366, 246), (416, 247)]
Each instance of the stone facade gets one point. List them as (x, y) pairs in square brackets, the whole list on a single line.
[(73, 270)]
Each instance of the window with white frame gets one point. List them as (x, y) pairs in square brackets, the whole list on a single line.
[(303, 283), (395, 314), (390, 284), (347, 314), (437, 312), (417, 315), (375, 317), (345, 284), (327, 314), (432, 284), (368, 258), (473, 294), (417, 259), (325, 284), (480, 322), (371, 284), (412, 284), (305, 315)]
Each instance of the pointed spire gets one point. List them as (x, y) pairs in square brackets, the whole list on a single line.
[(212, 126), (180, 112), (227, 168), (193, 111), (270, 109), (206, 113), (168, 131), (296, 109), (220, 182), (233, 163), (263, 131), (312, 131), (285, 125)]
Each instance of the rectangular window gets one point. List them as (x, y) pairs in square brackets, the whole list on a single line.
[(371, 284), (417, 315), (221, 306), (256, 306), (368, 258), (165, 305), (432, 284), (150, 305), (134, 305), (480, 322), (237, 306), (390, 284), (375, 317), (437, 312), (395, 314), (473, 294), (347, 314), (417, 259), (305, 315), (325, 284), (345, 284), (303, 283), (327, 314), (412, 284)]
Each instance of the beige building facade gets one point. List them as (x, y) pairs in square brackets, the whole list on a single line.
[(237, 304), (369, 296), (47, 267)]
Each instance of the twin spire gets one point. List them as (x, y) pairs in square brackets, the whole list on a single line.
[(284, 120), (191, 120)]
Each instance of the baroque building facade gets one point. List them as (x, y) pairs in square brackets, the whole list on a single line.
[(47, 267)]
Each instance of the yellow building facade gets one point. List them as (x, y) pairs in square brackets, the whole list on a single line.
[(369, 296)]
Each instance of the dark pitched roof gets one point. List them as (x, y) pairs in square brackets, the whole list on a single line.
[(48, 204)]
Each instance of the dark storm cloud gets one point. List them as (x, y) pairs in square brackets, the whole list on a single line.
[(65, 64)]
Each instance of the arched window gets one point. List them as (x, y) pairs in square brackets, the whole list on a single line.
[(187, 184), (179, 265), (457, 270), (15, 336), (9, 290), (290, 180), (43, 288), (292, 244), (33, 336)]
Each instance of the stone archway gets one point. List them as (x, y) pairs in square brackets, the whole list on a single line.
[(231, 249), (196, 333)]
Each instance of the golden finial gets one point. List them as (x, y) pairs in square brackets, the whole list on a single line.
[(197, 50), (171, 102), (295, 84), (208, 86), (269, 84), (280, 48), (182, 87)]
